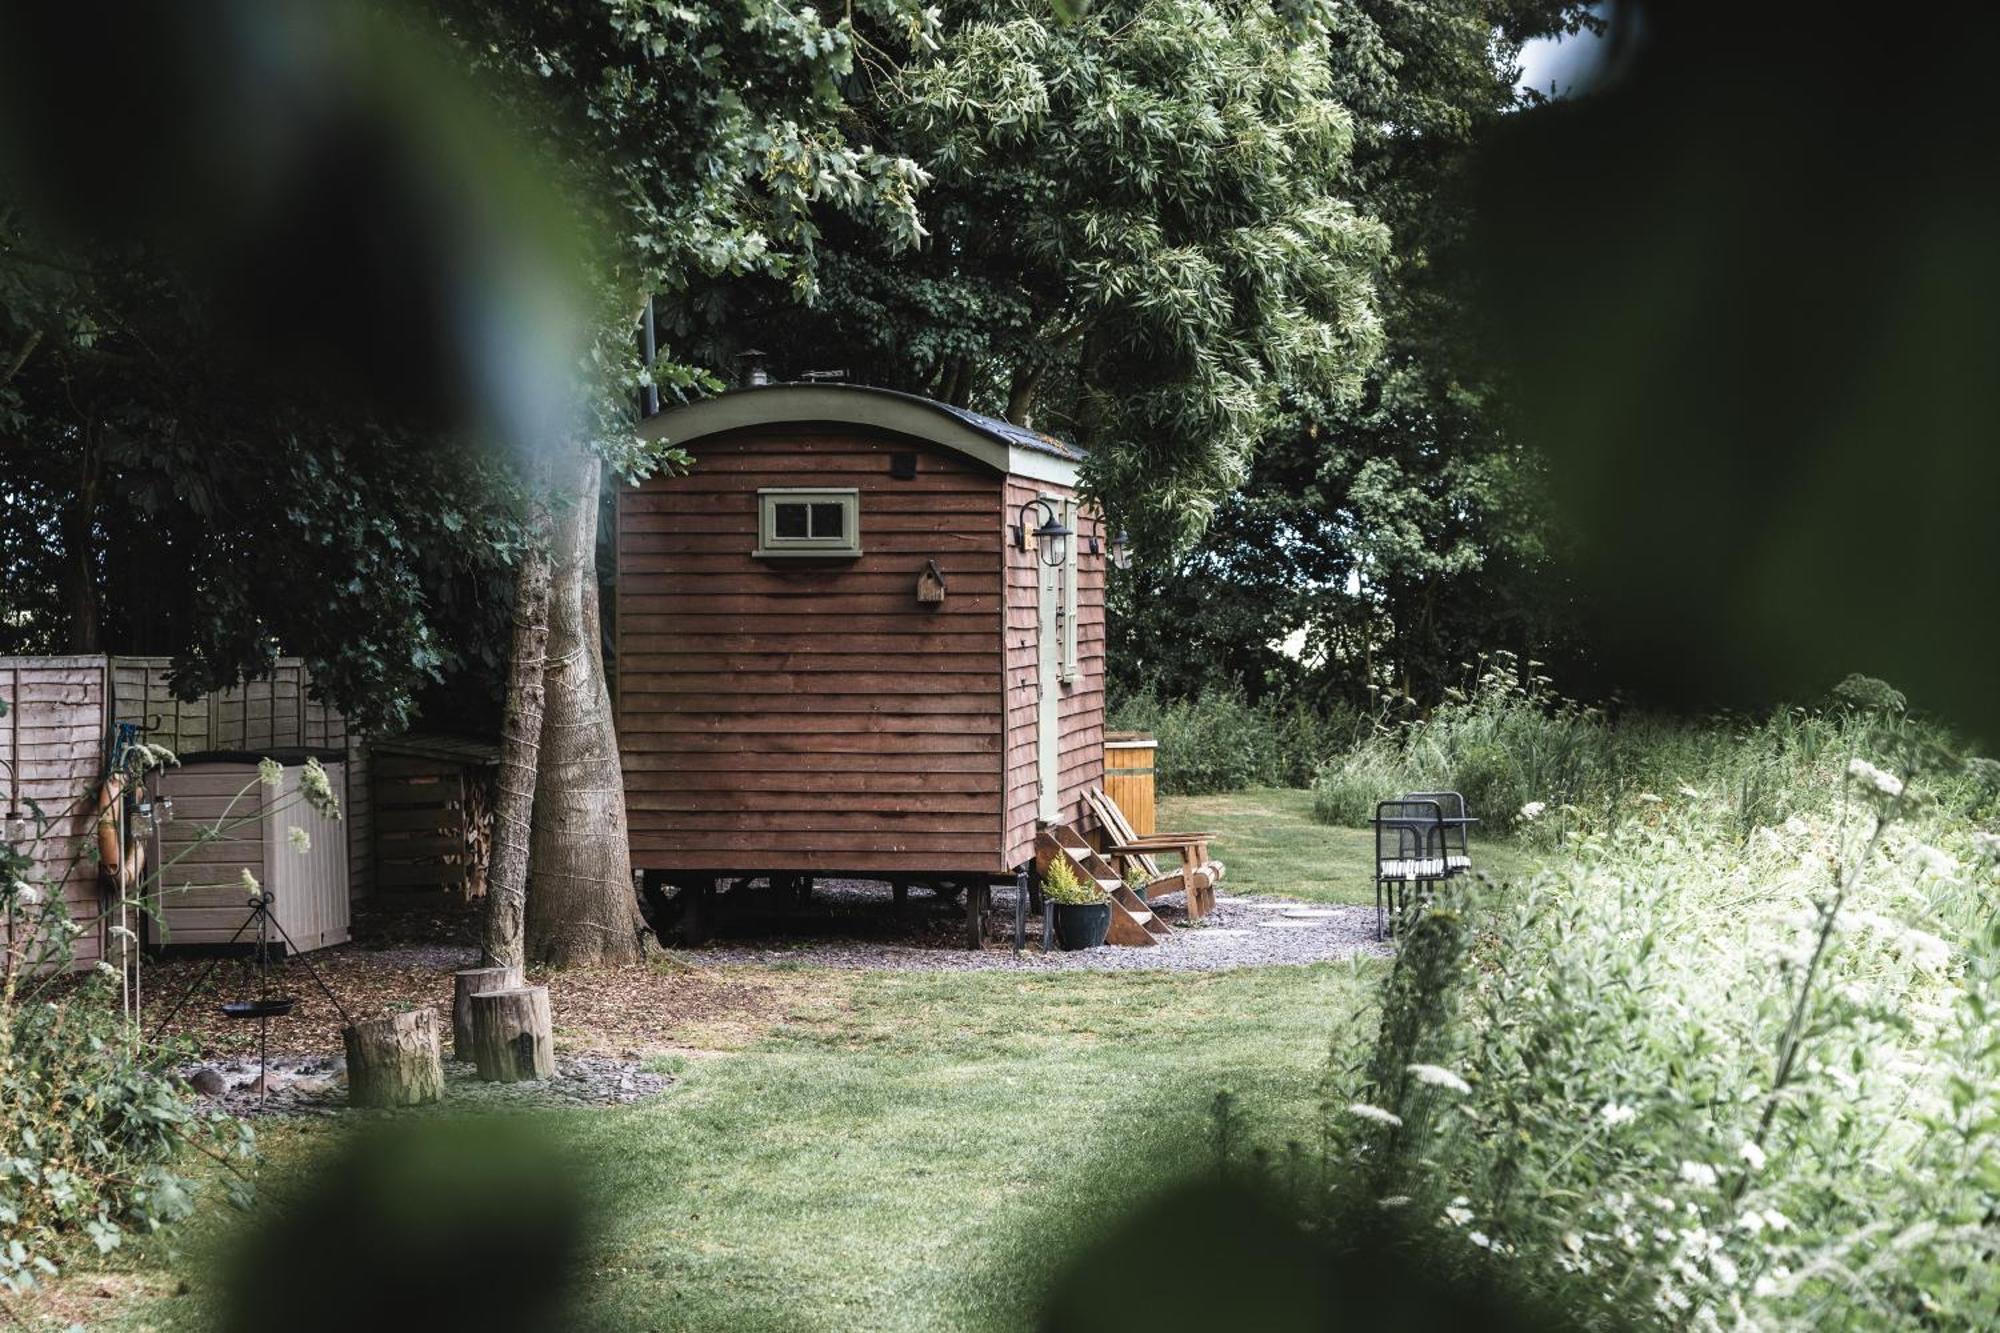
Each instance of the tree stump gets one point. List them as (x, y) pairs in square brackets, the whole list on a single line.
[(466, 984), (394, 1061), (510, 1034)]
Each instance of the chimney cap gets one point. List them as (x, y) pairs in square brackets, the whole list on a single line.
[(754, 370)]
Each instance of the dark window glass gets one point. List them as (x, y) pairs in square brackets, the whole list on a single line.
[(828, 521), (790, 520)]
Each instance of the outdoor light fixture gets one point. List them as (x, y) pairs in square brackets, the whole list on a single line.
[(17, 826), (1121, 547), (1051, 537)]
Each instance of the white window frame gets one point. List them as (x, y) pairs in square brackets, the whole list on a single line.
[(771, 546)]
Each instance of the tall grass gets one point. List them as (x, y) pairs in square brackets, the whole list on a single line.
[(1219, 741), (1544, 766), (1731, 1059)]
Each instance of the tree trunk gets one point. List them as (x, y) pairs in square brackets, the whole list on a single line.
[(520, 747), (78, 532), (581, 905), (1021, 395), (511, 1034), (393, 1060), (466, 984)]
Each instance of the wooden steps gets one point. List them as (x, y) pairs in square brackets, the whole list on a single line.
[(1133, 924)]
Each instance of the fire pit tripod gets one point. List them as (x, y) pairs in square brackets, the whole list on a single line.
[(264, 1005)]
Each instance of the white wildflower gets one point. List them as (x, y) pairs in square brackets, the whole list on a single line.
[(1394, 1201), (1689, 792), (123, 933), (1647, 798), (1480, 1238), (1752, 1153), (1766, 1285), (270, 772), (1616, 1114), (1933, 862), (1440, 1077), (1699, 1173), (107, 970), (1725, 1269), (1865, 774), (27, 895), (1986, 847), (1776, 1220), (1572, 1242), (318, 789), (300, 840), (1457, 1213), (1534, 810), (250, 884), (1363, 1111)]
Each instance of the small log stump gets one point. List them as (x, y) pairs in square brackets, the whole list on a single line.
[(465, 985), (394, 1061), (510, 1034)]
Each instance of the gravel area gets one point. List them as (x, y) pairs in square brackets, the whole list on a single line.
[(1242, 932), (308, 1085)]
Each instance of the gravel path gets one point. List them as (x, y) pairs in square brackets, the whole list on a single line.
[(305, 1085), (1242, 932)]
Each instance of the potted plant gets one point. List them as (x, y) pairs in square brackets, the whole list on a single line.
[(1083, 913), (1137, 881)]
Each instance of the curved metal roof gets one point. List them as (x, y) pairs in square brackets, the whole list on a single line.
[(1000, 444)]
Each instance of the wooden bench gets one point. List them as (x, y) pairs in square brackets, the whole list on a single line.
[(1197, 875)]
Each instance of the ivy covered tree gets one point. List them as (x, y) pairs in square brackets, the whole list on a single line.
[(1138, 232)]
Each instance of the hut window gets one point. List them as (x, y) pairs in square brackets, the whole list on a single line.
[(796, 521)]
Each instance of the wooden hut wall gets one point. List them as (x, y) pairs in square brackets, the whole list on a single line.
[(1080, 728), (53, 739), (812, 715)]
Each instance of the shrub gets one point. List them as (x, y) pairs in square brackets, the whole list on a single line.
[(1705, 1079), (1062, 885), (1219, 741)]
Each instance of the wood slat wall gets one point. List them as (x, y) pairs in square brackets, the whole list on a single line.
[(812, 715), (1080, 724), (53, 742), (272, 713)]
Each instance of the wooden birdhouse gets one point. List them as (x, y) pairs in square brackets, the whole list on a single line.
[(930, 584)]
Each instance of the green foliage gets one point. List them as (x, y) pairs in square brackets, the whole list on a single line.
[(1381, 535), (1707, 1074), (1138, 234), (1063, 885), (1219, 741)]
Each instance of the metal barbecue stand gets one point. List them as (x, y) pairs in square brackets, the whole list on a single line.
[(264, 1006)]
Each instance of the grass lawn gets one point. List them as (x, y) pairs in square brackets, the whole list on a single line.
[(908, 1150), (1270, 844), (896, 1150)]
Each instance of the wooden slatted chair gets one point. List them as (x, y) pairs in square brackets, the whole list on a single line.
[(1197, 875), (1409, 855)]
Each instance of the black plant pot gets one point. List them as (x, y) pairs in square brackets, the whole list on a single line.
[(1082, 925)]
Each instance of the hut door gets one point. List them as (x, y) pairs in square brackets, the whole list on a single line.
[(1048, 691)]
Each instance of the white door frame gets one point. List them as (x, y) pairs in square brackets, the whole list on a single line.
[(1048, 690)]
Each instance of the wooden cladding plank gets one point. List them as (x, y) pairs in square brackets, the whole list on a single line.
[(845, 863), (843, 664), (900, 750), (778, 804), (682, 627), (639, 703), (888, 825), (815, 683), (733, 762), (695, 601), (655, 772), (862, 724), (866, 843), (961, 493)]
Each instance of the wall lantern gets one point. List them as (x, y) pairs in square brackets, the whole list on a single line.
[(1121, 547), (1051, 538)]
